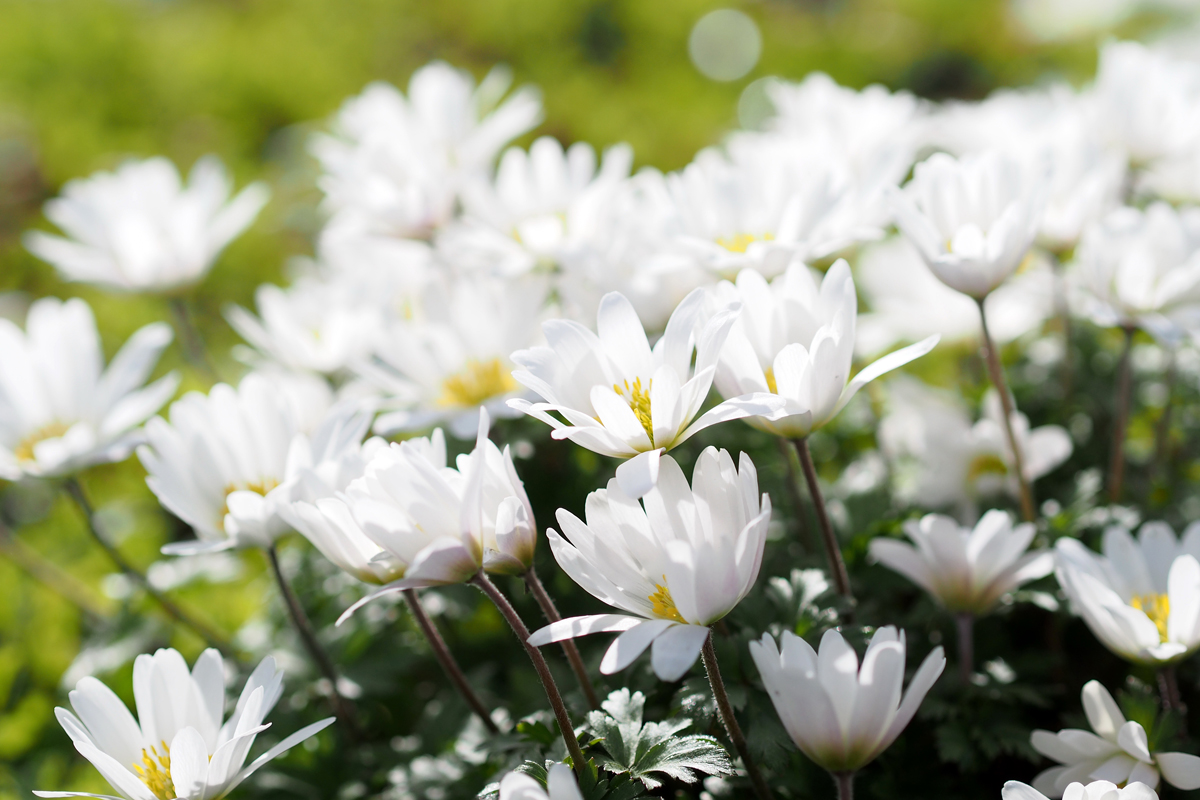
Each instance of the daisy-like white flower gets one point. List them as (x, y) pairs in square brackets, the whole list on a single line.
[(794, 341), (139, 229), (1096, 790), (841, 715), (966, 570), (973, 219), (560, 785), (677, 563), (1116, 750), (60, 409), (622, 398), (177, 747), (1141, 598)]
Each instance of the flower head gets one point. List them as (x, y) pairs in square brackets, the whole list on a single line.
[(560, 785), (60, 409), (1096, 790), (177, 747), (139, 229), (838, 714), (678, 562)]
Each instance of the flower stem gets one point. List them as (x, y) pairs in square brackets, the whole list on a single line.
[(841, 578), (709, 654), (1168, 689), (845, 784), (341, 706), (572, 652), (966, 646), (204, 631), (578, 762), (996, 371), (1162, 431), (1116, 468), (193, 344), (793, 488), (446, 659)]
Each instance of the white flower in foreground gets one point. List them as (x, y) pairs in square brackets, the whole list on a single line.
[(972, 219), (679, 562), (966, 570), (1141, 598), (840, 716), (178, 746), (439, 524), (60, 409), (560, 785), (794, 340), (1117, 751), (139, 229), (1142, 269), (621, 398), (1096, 790)]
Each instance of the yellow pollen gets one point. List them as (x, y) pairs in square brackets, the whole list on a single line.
[(24, 449), (663, 604), (639, 402), (1155, 606), (740, 242), (478, 381), (987, 464), (769, 372), (262, 487), (155, 772)]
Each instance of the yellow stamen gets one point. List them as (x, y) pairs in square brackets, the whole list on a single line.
[(1155, 606), (740, 242), (156, 772), (477, 382), (24, 449), (262, 487), (639, 402), (986, 464), (664, 604), (769, 372)]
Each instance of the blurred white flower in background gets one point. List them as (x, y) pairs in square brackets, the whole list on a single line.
[(725, 44), (139, 229), (60, 409)]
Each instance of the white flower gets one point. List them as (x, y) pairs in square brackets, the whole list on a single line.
[(972, 219), (560, 785), (1096, 790), (620, 397), (178, 746), (966, 570), (454, 354), (794, 340), (439, 524), (1118, 751), (139, 229), (1142, 268), (679, 562), (60, 410), (1141, 598), (840, 716), (220, 463)]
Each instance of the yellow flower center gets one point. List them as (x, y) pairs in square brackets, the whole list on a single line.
[(986, 464), (769, 372), (664, 604), (1155, 606), (24, 449), (478, 381), (740, 242), (639, 402), (262, 487), (155, 772)]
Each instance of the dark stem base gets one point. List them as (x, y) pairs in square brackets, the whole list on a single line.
[(1116, 467), (845, 785), (966, 647), (569, 649), (841, 578), (709, 654)]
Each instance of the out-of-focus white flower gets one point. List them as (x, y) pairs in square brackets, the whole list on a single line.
[(1141, 598), (942, 459), (1117, 751), (1052, 20), (178, 746), (454, 354), (678, 564), (966, 570), (621, 398), (140, 230), (972, 219), (395, 165), (794, 339), (221, 462), (60, 409), (840, 716), (1096, 790), (907, 303), (438, 524), (1142, 269), (560, 785)]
